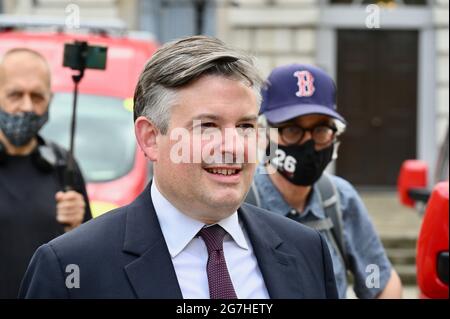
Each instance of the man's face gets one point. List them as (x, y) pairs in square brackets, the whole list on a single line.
[(24, 84), (199, 188)]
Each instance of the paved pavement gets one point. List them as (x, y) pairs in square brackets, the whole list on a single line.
[(391, 219)]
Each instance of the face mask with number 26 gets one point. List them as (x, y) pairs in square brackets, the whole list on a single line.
[(301, 164)]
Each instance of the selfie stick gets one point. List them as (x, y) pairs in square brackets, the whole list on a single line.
[(70, 172)]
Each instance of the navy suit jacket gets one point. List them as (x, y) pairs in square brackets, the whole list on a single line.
[(123, 254)]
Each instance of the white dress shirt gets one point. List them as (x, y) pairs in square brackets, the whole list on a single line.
[(190, 256)]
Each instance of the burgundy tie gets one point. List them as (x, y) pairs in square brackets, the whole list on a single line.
[(219, 281)]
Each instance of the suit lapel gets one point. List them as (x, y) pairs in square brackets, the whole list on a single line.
[(152, 274), (280, 268)]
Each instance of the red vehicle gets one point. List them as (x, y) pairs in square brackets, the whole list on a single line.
[(115, 169), (432, 259)]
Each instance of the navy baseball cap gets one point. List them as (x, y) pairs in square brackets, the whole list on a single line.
[(298, 89)]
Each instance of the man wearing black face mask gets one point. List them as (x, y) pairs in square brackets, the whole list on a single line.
[(33, 206), (299, 101)]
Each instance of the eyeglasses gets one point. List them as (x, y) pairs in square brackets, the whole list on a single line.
[(292, 134)]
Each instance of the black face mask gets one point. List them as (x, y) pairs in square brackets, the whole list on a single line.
[(19, 129), (301, 164)]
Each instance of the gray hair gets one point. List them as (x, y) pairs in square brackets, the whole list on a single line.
[(178, 63)]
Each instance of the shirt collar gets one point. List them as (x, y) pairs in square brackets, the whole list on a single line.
[(233, 227), (275, 201), (179, 229)]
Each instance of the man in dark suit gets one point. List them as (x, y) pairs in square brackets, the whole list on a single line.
[(188, 235)]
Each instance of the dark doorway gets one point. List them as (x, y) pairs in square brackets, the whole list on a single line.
[(377, 94)]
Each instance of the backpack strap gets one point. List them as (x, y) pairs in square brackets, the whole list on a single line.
[(61, 154), (331, 206), (61, 161), (320, 224)]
